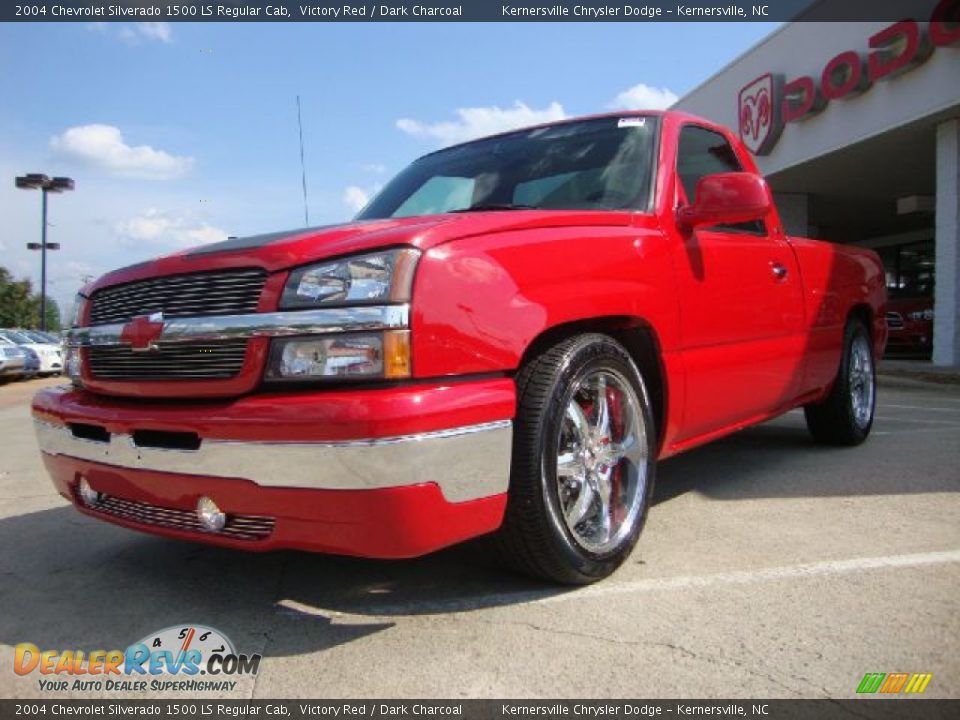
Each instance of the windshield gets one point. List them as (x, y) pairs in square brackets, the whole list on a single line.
[(604, 164)]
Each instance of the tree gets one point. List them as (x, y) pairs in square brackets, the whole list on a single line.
[(53, 314), (20, 306)]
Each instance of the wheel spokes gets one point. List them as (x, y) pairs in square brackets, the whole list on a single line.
[(601, 460), (570, 465), (578, 509), (601, 428), (579, 421), (604, 488)]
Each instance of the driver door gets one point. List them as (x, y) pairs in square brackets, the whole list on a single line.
[(741, 306)]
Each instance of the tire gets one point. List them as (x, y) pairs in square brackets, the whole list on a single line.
[(845, 416), (555, 527)]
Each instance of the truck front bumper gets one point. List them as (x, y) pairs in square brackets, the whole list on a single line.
[(392, 472)]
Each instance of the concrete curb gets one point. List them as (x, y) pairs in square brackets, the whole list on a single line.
[(917, 381)]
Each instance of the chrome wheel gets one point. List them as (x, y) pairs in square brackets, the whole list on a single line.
[(601, 464), (860, 380)]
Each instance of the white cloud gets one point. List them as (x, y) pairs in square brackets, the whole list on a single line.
[(161, 31), (102, 147), (375, 168), (166, 231), (133, 33), (644, 97), (479, 121), (355, 198)]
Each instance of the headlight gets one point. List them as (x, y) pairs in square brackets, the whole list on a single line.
[(351, 355), (921, 314), (378, 277), (77, 311)]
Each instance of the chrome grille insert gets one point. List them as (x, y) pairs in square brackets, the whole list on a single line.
[(223, 292), (238, 527), (894, 320), (176, 361)]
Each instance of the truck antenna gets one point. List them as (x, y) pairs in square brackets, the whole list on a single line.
[(303, 167)]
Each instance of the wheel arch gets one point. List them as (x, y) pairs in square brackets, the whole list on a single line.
[(875, 323), (640, 339)]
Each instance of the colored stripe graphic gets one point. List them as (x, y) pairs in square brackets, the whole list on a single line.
[(871, 682), (918, 682), (894, 683)]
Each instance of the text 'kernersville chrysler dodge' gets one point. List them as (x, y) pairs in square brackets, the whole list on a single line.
[(505, 340)]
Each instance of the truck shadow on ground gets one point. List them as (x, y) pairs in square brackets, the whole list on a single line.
[(71, 582)]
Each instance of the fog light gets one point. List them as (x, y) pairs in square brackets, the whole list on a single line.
[(89, 496), (210, 516)]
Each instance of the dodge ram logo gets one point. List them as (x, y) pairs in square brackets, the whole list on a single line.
[(143, 332), (758, 114)]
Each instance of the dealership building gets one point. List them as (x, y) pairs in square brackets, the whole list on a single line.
[(857, 128)]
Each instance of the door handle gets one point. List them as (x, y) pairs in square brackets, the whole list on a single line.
[(779, 271)]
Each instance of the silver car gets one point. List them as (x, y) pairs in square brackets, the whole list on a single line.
[(12, 361)]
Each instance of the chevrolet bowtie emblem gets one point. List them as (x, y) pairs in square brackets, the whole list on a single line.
[(143, 332)]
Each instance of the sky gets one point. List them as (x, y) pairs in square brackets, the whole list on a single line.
[(185, 133)]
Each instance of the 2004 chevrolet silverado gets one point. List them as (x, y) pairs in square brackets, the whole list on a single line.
[(505, 340)]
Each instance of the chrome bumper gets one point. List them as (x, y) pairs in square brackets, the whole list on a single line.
[(467, 463)]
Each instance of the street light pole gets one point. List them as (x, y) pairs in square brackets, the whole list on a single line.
[(43, 261), (39, 181)]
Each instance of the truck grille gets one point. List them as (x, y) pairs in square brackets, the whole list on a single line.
[(224, 292), (894, 320), (180, 361), (238, 527)]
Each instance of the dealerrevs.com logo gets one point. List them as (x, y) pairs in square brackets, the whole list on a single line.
[(188, 658)]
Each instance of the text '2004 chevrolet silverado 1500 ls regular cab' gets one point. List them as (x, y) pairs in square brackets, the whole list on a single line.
[(505, 340)]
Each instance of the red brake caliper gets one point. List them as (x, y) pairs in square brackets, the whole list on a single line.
[(615, 408)]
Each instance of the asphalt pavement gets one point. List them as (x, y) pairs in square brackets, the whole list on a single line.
[(769, 567)]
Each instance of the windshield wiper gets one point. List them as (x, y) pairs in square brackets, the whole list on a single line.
[(479, 207)]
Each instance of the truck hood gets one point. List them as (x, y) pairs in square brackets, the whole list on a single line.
[(282, 250)]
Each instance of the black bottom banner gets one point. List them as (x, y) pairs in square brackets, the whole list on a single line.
[(913, 709)]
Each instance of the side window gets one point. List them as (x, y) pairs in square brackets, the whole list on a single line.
[(705, 152), (438, 195)]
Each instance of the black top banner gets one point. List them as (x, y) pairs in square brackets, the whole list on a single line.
[(478, 11)]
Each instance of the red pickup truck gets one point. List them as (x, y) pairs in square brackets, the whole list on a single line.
[(505, 340)]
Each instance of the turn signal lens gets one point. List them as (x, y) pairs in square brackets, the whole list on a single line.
[(396, 354)]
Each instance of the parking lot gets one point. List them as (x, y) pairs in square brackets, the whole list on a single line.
[(769, 567)]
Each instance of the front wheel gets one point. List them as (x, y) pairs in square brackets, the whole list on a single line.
[(583, 462), (845, 416)]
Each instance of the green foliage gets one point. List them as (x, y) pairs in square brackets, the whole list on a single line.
[(20, 306)]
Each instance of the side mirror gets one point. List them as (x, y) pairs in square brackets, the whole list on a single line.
[(726, 199)]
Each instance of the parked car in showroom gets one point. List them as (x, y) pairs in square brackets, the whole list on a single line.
[(505, 340), (910, 325), (12, 361), (49, 354)]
